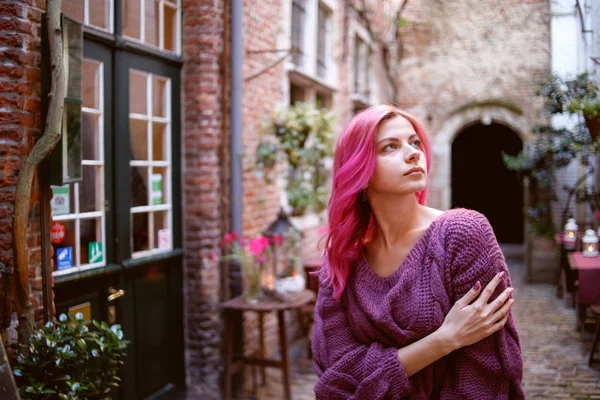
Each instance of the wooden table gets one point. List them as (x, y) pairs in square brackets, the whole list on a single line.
[(588, 290), (265, 305)]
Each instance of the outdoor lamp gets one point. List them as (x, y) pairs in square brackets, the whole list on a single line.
[(570, 237), (590, 244), (285, 241)]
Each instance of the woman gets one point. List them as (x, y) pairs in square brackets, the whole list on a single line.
[(414, 302)]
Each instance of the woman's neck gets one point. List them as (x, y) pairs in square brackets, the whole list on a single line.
[(396, 216)]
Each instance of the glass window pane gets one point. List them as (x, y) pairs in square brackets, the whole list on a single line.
[(139, 232), (63, 200), (92, 250), (159, 88), (91, 84), (169, 27), (137, 92), (90, 189), (138, 139), (151, 21), (159, 143), (139, 186), (99, 13), (63, 244), (162, 235), (73, 8), (131, 18), (159, 186), (90, 140)]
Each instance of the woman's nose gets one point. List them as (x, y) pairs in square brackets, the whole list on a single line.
[(413, 155)]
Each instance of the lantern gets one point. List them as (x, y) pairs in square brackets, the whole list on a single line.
[(590, 244), (570, 237), (286, 242)]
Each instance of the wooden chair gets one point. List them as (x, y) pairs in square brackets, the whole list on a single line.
[(596, 313), (306, 313)]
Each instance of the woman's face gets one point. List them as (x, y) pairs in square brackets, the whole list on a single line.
[(401, 165)]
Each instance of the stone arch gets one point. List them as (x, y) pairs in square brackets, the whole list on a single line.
[(485, 113)]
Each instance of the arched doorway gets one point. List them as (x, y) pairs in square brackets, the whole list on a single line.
[(481, 181)]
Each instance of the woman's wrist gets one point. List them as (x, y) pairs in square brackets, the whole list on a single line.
[(445, 340)]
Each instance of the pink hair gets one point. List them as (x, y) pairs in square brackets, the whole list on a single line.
[(350, 219)]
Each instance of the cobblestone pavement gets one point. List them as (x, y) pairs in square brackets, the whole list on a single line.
[(554, 353)]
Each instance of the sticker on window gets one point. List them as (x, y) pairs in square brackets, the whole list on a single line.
[(60, 200), (95, 252), (64, 258)]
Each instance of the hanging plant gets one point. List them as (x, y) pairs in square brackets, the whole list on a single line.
[(303, 136)]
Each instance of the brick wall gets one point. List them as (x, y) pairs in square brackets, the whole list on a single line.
[(203, 27), (20, 126)]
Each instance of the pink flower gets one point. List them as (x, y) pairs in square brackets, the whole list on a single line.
[(228, 238), (597, 214), (258, 245), (234, 235), (214, 257), (261, 259)]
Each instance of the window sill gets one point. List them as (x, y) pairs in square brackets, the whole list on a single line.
[(155, 258), (108, 269), (302, 78)]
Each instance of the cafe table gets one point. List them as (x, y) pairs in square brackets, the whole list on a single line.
[(265, 305), (588, 290)]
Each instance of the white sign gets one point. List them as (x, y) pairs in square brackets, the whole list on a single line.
[(164, 240), (60, 200)]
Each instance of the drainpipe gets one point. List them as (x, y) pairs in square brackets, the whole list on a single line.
[(235, 277), (236, 115)]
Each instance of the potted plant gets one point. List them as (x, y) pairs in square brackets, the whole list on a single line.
[(577, 96), (302, 136), (251, 254), (69, 360)]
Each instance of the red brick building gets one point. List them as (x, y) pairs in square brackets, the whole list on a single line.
[(156, 197)]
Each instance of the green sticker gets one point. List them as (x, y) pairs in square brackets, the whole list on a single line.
[(95, 252)]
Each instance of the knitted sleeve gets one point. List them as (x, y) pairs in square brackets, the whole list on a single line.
[(493, 367), (348, 369)]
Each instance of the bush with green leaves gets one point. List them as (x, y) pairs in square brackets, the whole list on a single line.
[(68, 360)]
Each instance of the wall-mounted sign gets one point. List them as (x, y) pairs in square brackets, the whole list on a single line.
[(64, 258), (95, 252), (60, 200), (85, 309), (57, 232)]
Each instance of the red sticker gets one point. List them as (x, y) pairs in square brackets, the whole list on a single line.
[(57, 233)]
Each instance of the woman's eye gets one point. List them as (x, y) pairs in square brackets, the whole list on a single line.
[(389, 147), (417, 144)]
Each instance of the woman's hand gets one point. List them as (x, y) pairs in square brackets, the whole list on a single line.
[(468, 323)]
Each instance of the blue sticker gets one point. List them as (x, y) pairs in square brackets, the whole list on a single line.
[(64, 258)]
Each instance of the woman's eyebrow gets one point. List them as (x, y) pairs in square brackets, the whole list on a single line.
[(395, 139)]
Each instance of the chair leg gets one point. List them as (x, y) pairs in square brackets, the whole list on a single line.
[(595, 342)]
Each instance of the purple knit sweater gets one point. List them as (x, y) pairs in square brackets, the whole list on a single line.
[(355, 339)]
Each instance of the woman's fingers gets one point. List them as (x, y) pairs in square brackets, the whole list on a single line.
[(489, 290), (500, 324), (502, 312), (469, 296), (500, 300)]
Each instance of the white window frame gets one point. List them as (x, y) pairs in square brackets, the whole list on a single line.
[(368, 50), (149, 164), (111, 16), (76, 217), (161, 28)]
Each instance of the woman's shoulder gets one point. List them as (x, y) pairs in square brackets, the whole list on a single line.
[(463, 227)]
